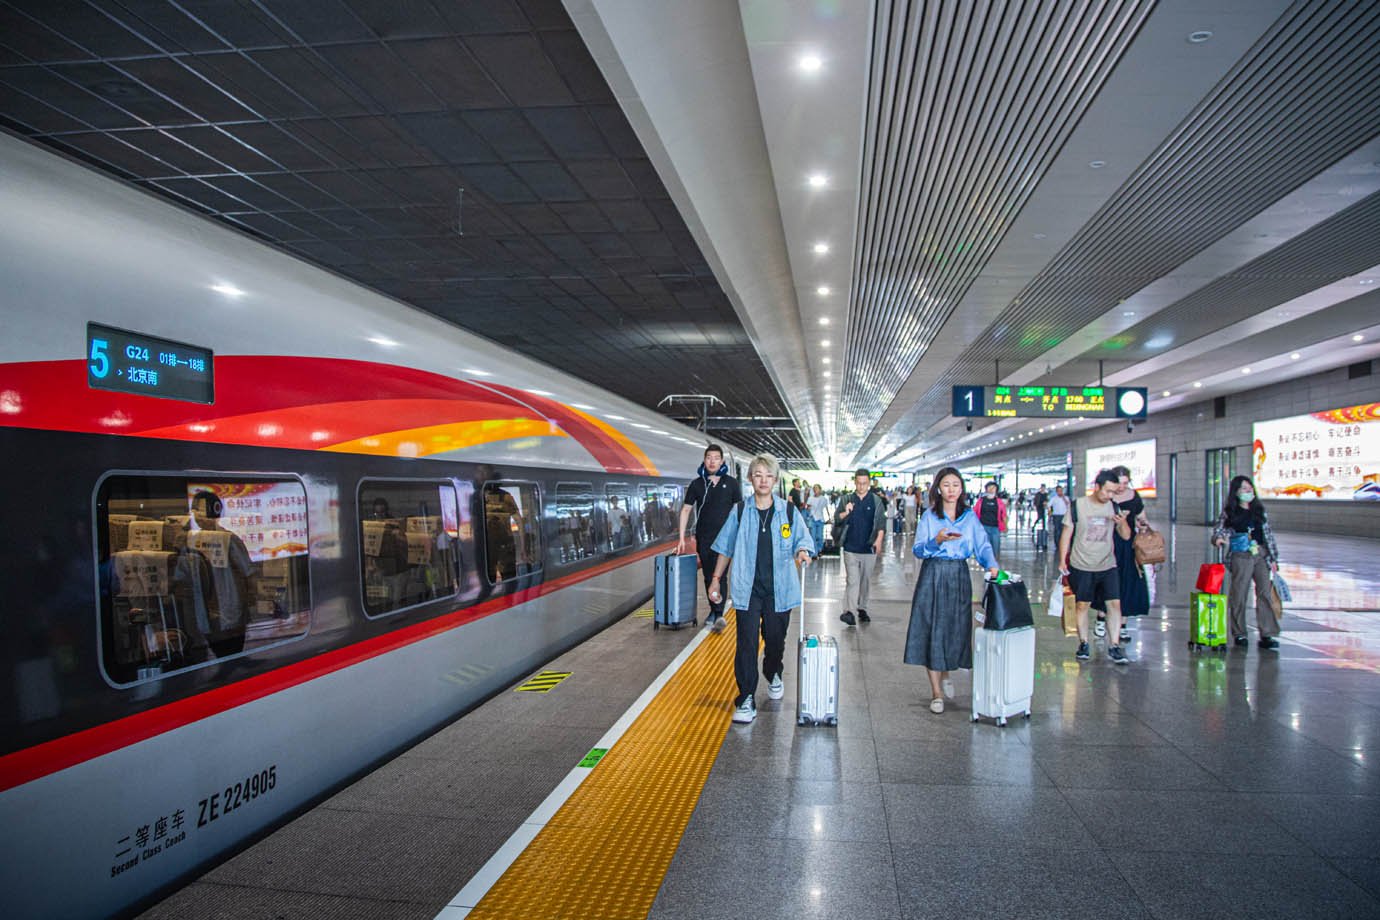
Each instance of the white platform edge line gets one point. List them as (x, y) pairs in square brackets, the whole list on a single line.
[(469, 896)]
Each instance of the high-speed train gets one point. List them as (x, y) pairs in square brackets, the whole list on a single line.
[(263, 528)]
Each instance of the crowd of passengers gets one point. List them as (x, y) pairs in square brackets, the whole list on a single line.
[(767, 538)]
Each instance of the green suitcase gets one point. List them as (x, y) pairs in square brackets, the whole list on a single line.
[(1207, 620)]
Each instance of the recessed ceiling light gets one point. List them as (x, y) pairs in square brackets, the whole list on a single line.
[(1199, 37), (1097, 164), (824, 320), (822, 290), (229, 290), (1128, 312), (1245, 370), (824, 343), (1197, 384), (828, 373), (826, 360), (818, 180), (1039, 236), (1295, 356), (821, 249), (1357, 337), (810, 63), (1362, 281)]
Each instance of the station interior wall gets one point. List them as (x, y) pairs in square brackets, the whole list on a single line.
[(1190, 431)]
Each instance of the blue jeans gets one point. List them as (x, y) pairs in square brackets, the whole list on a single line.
[(817, 534), (993, 537)]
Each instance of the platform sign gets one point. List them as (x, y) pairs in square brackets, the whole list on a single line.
[(132, 362), (1050, 402)]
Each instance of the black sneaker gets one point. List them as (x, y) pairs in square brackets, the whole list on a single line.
[(863, 617), (1082, 654), (1117, 655), (848, 618), (1268, 642), (1241, 641)]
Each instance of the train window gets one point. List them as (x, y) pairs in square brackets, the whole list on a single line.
[(409, 536), (512, 527), (657, 521), (193, 569), (575, 522), (625, 517)]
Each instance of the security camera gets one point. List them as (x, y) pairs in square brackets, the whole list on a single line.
[(1130, 427), (969, 424)]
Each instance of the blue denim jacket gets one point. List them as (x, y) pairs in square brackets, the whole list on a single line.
[(741, 543)]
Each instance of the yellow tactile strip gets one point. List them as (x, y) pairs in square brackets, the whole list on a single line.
[(604, 853)]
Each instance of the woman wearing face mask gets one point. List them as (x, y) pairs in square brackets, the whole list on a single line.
[(1244, 528)]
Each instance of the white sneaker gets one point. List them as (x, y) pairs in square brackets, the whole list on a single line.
[(937, 705), (746, 712), (776, 688), (947, 685), (1100, 628), (720, 624), (1125, 635)]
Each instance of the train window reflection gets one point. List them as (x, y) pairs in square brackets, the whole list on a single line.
[(657, 521), (197, 569), (625, 517), (575, 523), (409, 535), (512, 527)]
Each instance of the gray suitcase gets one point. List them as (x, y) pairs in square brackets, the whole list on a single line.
[(675, 591), (817, 681)]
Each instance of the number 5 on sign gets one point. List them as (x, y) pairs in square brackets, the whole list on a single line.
[(100, 363)]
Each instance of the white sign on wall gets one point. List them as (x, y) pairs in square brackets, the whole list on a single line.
[(1138, 456), (1332, 455)]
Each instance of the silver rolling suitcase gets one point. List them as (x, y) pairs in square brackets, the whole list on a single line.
[(675, 591), (1003, 672), (817, 675)]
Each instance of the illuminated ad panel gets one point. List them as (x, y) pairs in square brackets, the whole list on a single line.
[(1137, 456), (270, 517), (1332, 455)]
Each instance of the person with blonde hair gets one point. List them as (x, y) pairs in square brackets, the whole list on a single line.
[(765, 536)]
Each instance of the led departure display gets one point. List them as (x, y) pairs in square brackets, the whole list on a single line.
[(132, 362), (1049, 402)]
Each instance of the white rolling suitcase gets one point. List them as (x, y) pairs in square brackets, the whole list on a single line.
[(817, 676), (1003, 672), (817, 681)]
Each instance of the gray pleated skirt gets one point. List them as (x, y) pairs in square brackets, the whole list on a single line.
[(941, 617)]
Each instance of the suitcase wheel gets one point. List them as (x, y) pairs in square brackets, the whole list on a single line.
[(655, 626), (694, 621), (1001, 721), (1027, 714), (974, 717)]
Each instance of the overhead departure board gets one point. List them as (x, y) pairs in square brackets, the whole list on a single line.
[(132, 362), (1050, 402)]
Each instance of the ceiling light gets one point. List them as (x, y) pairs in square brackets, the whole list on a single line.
[(821, 249), (229, 290), (1295, 356), (828, 373), (1197, 384), (1199, 37), (824, 320), (826, 360), (1245, 370), (1357, 337), (1128, 312), (810, 63), (476, 371), (818, 180), (1097, 164), (824, 343), (1040, 236), (1165, 393), (1362, 281)]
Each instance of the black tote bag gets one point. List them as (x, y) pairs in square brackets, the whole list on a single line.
[(1007, 606)]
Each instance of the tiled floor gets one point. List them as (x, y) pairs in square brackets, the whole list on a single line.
[(1181, 785)]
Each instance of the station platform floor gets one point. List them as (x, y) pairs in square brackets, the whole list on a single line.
[(1183, 785)]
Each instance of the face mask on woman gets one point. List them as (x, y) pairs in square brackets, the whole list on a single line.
[(1246, 496)]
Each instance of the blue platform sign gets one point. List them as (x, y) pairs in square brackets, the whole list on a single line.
[(132, 362)]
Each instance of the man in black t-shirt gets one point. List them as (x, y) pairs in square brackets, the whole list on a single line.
[(714, 495)]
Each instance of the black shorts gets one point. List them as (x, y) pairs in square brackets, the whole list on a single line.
[(1091, 586)]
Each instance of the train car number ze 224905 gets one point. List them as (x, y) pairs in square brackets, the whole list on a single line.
[(219, 804)]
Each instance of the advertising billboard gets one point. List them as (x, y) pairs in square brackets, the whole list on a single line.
[(1138, 456), (270, 517), (1332, 455)]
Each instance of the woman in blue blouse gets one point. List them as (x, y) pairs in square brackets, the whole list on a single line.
[(940, 637)]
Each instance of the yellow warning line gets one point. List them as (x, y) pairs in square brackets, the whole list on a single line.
[(606, 850), (543, 682)]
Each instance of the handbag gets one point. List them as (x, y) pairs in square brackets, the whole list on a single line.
[(1070, 611), (1007, 606), (1056, 598), (1281, 587), (1149, 547), (1211, 576)]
